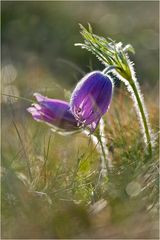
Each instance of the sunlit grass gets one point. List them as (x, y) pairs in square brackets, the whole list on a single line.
[(51, 184)]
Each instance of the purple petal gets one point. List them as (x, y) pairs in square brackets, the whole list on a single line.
[(36, 115), (53, 111), (91, 98)]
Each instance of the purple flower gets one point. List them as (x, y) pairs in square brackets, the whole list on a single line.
[(53, 112), (91, 99)]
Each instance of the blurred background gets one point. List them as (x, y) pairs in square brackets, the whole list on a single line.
[(38, 40), (38, 55)]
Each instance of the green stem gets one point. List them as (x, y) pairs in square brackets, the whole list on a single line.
[(21, 98), (143, 115), (103, 152)]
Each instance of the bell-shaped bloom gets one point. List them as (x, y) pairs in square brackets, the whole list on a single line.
[(54, 112), (91, 99)]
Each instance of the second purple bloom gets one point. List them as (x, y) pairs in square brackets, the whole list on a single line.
[(54, 112)]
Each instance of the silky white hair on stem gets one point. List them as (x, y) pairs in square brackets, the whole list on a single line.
[(133, 96)]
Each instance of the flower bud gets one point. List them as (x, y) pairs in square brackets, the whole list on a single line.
[(91, 99)]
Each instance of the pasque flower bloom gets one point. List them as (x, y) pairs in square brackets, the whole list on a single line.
[(91, 99), (54, 112)]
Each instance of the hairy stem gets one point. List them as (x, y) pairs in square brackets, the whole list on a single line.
[(101, 142), (140, 107), (134, 89), (143, 116), (99, 146), (104, 163)]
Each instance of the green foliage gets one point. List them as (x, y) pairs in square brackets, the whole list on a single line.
[(113, 55), (67, 196), (67, 190)]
